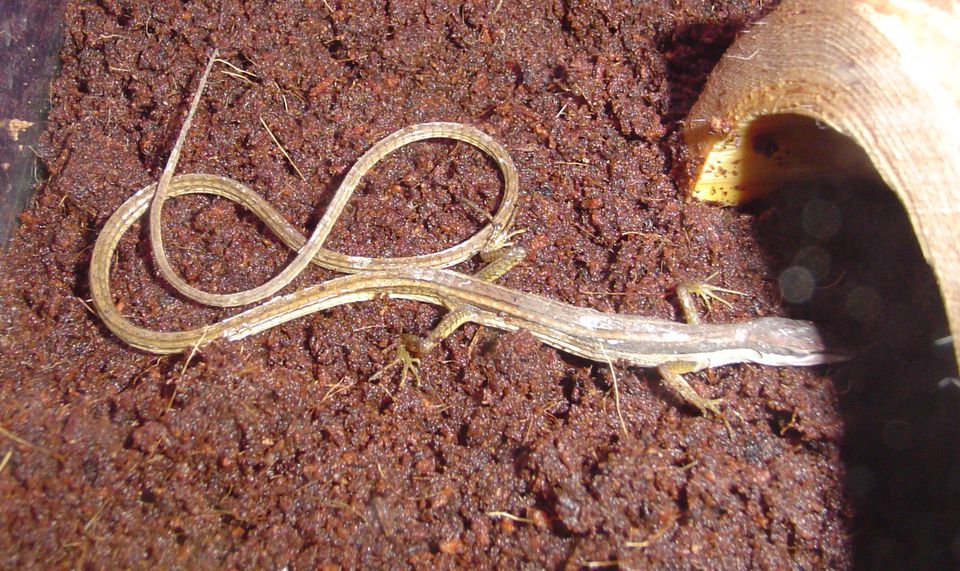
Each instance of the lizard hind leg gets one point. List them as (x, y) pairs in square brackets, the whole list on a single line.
[(407, 348), (410, 348)]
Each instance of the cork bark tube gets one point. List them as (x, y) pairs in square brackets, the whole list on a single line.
[(883, 74)]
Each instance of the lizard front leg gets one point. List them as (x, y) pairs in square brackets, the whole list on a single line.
[(672, 373)]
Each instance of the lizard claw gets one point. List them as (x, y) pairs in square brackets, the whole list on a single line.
[(707, 292), (405, 347)]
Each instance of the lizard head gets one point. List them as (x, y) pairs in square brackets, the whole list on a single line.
[(793, 342)]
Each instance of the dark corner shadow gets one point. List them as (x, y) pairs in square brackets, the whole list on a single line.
[(847, 256), (30, 37)]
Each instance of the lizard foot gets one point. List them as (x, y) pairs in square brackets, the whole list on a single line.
[(707, 292), (406, 347)]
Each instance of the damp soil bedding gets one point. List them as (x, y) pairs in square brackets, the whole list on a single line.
[(277, 450)]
